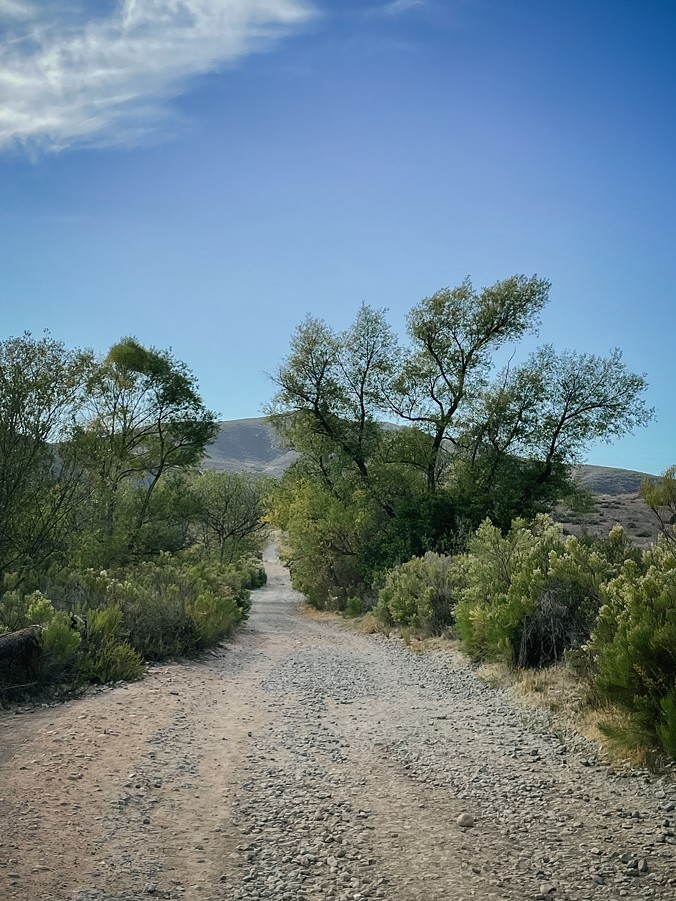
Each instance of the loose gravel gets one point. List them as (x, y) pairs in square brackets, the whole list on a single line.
[(356, 769)]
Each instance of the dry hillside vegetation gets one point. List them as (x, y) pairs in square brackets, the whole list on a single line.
[(616, 500)]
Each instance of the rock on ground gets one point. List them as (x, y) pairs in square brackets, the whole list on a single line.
[(303, 761)]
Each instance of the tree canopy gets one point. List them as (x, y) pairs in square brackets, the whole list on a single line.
[(408, 445)]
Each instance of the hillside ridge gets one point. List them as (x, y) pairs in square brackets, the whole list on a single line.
[(251, 445)]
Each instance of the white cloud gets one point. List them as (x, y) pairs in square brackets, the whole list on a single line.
[(16, 9), (67, 79)]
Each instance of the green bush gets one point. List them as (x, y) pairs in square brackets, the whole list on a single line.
[(19, 610), (354, 607), (666, 728), (107, 622), (420, 593), (156, 622), (214, 616), (170, 606), (634, 642), (530, 595), (113, 662), (59, 643)]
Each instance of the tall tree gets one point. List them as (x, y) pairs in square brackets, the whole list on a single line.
[(660, 496), (146, 419), (42, 390), (331, 389), (467, 444), (530, 426), (230, 507), (454, 335)]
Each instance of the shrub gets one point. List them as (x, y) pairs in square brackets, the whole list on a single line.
[(104, 625), (114, 663), (634, 642), (19, 610), (354, 607), (157, 623), (666, 728), (530, 595), (214, 616), (420, 593), (59, 644), (171, 606)]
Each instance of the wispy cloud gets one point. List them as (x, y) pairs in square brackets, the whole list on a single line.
[(397, 7), (69, 78)]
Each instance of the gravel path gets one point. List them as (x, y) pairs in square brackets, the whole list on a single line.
[(305, 761)]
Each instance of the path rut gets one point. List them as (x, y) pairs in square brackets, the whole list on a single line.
[(303, 761)]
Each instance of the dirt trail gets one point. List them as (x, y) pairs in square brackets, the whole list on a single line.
[(301, 760)]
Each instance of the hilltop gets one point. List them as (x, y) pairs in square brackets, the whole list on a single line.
[(248, 445)]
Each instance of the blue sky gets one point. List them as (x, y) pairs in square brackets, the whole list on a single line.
[(203, 173)]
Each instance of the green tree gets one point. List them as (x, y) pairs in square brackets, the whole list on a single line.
[(42, 390), (454, 335), (146, 420), (466, 444), (330, 390), (660, 496), (525, 430), (230, 507)]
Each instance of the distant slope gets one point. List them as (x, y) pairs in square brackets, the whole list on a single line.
[(606, 480), (250, 445)]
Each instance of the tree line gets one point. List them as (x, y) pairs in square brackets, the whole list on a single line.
[(406, 446), (101, 486)]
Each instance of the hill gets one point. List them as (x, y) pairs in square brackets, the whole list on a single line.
[(250, 445), (608, 480)]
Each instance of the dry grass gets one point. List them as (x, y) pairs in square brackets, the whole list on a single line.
[(321, 615), (367, 624), (572, 706)]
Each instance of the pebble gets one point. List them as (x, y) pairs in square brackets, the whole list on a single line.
[(362, 754)]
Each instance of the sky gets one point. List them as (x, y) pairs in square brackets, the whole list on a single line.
[(201, 174)]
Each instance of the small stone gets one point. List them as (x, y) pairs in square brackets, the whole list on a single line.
[(465, 820), (151, 888)]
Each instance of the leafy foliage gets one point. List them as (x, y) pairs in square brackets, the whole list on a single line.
[(421, 593), (107, 555), (661, 498), (530, 595), (145, 420), (58, 643), (230, 511), (634, 642), (469, 442), (42, 390)]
